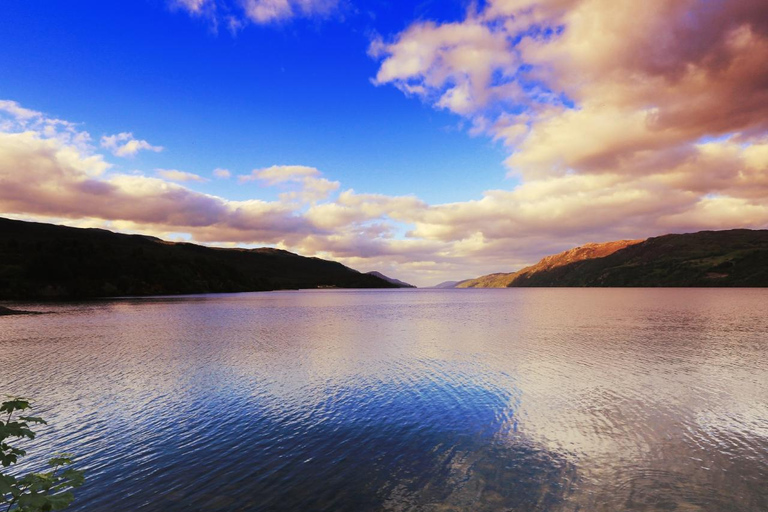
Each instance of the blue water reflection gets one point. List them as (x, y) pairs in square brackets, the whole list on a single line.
[(521, 400)]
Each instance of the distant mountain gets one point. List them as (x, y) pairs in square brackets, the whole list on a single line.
[(392, 280), (733, 258), (446, 285), (49, 261)]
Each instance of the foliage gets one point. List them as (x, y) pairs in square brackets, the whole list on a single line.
[(34, 492)]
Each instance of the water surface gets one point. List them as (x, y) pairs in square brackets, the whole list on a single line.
[(519, 400)]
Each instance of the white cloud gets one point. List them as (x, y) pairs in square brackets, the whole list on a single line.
[(194, 6), (17, 111), (265, 11), (310, 186), (182, 176), (15, 118), (223, 174), (458, 66), (235, 14), (280, 174), (125, 145)]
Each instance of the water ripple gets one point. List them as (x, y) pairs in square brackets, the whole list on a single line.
[(519, 400)]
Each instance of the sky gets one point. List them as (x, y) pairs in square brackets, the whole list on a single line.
[(431, 141)]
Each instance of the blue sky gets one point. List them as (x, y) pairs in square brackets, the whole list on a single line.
[(432, 141), (288, 93)]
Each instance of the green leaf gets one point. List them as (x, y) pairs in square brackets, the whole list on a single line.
[(75, 477), (17, 429), (6, 484), (33, 419), (33, 500), (6, 459), (33, 492), (62, 460), (17, 404), (61, 501)]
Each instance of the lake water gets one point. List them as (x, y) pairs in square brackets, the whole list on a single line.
[(520, 399)]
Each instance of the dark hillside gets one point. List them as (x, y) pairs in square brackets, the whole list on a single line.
[(49, 261), (737, 258)]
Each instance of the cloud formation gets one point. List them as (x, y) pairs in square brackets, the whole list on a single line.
[(124, 144), (45, 175), (592, 85), (15, 118), (235, 14)]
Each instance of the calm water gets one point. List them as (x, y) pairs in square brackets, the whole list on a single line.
[(521, 400)]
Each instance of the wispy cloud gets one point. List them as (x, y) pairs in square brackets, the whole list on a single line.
[(125, 145), (311, 186), (235, 14), (280, 174), (181, 176), (222, 174), (17, 112)]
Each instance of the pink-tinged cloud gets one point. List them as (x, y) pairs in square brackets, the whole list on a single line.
[(43, 177), (648, 79)]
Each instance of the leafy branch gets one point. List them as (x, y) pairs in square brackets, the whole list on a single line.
[(34, 492)]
